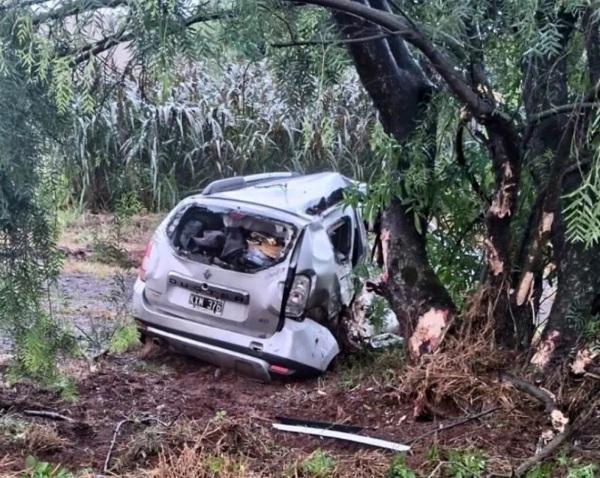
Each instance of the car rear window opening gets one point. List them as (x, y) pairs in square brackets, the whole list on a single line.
[(230, 239)]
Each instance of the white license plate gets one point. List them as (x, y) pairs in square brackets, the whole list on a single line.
[(210, 304)]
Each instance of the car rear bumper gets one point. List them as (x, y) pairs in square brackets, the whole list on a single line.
[(240, 362), (299, 349)]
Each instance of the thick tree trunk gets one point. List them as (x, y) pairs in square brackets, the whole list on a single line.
[(400, 92), (544, 87), (422, 304), (574, 305), (555, 138), (503, 146)]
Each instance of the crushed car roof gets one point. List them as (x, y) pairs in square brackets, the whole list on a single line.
[(304, 195)]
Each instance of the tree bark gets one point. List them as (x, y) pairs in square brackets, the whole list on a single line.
[(400, 91), (544, 87), (550, 147)]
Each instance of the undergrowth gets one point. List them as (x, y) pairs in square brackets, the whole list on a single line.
[(368, 365), (30, 436), (42, 469), (319, 464)]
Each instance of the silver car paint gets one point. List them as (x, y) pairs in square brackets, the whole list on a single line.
[(304, 342), (257, 326)]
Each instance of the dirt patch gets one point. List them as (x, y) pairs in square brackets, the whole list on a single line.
[(172, 386)]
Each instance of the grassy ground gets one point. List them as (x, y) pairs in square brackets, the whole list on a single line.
[(148, 412)]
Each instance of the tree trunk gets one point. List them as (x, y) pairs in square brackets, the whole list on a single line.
[(574, 305), (422, 304), (400, 91), (545, 87)]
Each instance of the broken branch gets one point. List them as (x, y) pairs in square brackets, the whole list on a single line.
[(452, 425), (557, 441), (113, 442), (532, 390), (546, 452), (46, 414)]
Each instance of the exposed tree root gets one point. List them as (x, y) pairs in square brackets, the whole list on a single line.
[(557, 441), (545, 453), (536, 392), (452, 425)]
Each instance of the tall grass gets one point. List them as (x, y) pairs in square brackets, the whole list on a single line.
[(213, 124)]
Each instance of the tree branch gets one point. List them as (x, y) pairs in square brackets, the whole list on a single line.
[(73, 8), (462, 162), (536, 392), (545, 452), (100, 46), (414, 36), (334, 41), (557, 110), (93, 49)]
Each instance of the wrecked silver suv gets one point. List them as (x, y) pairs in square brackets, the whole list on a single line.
[(251, 273)]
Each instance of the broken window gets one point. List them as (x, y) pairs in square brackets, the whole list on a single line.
[(230, 239), (340, 235)]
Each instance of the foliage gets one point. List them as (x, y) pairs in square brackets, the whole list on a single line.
[(574, 468), (29, 262), (582, 211), (42, 469), (582, 471), (38, 347), (543, 470), (214, 123), (399, 469), (465, 464), (443, 206), (318, 465), (109, 248), (124, 338), (377, 312)]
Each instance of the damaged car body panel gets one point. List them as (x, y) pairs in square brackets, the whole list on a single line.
[(251, 273)]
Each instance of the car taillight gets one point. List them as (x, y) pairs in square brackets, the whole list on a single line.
[(298, 297), (144, 265), (280, 370)]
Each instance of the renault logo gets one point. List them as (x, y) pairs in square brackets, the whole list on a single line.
[(207, 274)]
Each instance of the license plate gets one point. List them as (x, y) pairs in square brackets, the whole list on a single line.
[(207, 303)]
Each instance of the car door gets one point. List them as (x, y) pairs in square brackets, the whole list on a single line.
[(341, 233)]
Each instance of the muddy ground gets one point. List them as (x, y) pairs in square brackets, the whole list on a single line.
[(157, 391)]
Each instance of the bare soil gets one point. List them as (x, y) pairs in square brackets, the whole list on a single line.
[(171, 386)]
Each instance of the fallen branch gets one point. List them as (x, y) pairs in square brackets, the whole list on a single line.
[(532, 390), (144, 419), (545, 452), (452, 425), (46, 414), (557, 441), (113, 442)]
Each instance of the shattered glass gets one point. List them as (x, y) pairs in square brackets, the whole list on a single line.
[(230, 238)]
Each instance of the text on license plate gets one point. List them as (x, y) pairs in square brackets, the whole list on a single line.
[(207, 303)]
